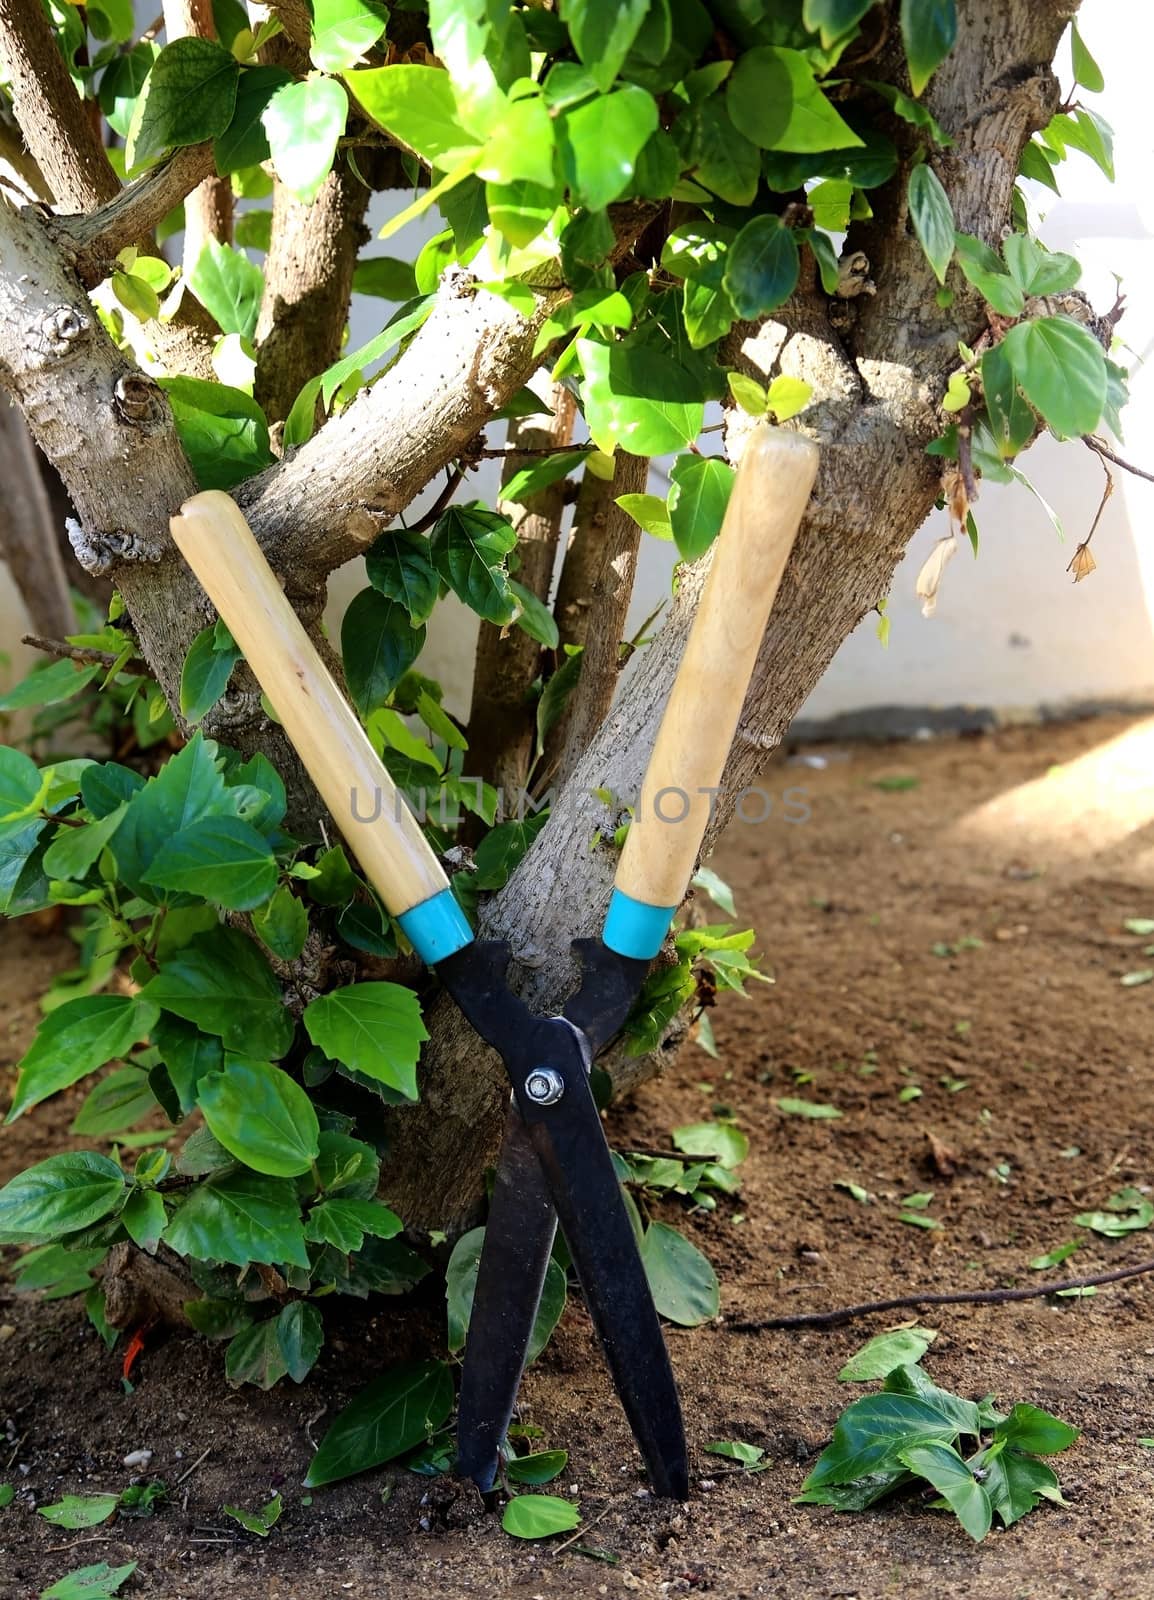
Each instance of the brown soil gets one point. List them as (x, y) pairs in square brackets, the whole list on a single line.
[(1036, 842)]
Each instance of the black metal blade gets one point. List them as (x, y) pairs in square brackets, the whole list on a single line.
[(609, 985), (579, 1171), (518, 1240), (548, 1061)]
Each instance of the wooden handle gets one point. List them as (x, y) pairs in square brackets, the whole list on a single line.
[(219, 546), (773, 485)]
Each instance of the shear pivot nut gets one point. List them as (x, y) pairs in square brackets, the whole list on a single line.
[(544, 1086)]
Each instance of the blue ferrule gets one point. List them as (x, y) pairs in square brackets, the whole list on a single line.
[(634, 929), (436, 928)]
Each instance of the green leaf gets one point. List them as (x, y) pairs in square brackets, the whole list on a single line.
[(885, 1352), (603, 33), (534, 617), (418, 106), (720, 158), (189, 96), (909, 1379), (461, 1284), (833, 18), (282, 925), (944, 1468), (639, 398), (74, 851), (378, 646), (301, 1334), (1012, 422), (600, 142), (774, 100), (683, 1284), (99, 1582), (343, 30), (1015, 1483), (222, 983), (400, 566), (469, 547), (259, 1522), (7, 1495), (390, 1416), (117, 1101), (105, 785), (1062, 372), (217, 1319), (649, 511), (933, 218), (520, 148), (531, 479), (74, 1040), (136, 295), (303, 122), (58, 1196), (343, 1223), (871, 1434), (929, 32), (1036, 270), (187, 1055), (220, 859), (240, 1217), (813, 1109), (229, 286), (701, 486), (205, 674), (502, 849), (244, 143), (539, 1467), (222, 429), (254, 1356), (762, 267), (746, 1455), (787, 397), (539, 1516), (50, 686), (144, 1218), (121, 83), (1087, 72), (1031, 1429), (718, 1141), (261, 1116), (1085, 131), (80, 1510), (375, 1028), (386, 277), (22, 788)]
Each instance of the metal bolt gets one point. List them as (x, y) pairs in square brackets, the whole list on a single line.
[(545, 1086)]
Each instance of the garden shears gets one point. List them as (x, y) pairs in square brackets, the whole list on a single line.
[(555, 1164)]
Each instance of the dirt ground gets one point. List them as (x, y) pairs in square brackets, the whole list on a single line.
[(1035, 842)]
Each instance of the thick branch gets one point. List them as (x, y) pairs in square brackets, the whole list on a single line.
[(94, 239), (308, 283), (616, 537), (330, 500), (51, 114), (501, 718)]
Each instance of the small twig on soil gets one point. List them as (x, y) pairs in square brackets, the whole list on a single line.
[(309, 1425), (97, 1538), (970, 1297), (583, 1529), (15, 1451), (203, 1456)]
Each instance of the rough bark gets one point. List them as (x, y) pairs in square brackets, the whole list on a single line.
[(502, 722), (28, 532), (593, 598), (308, 284), (879, 389)]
